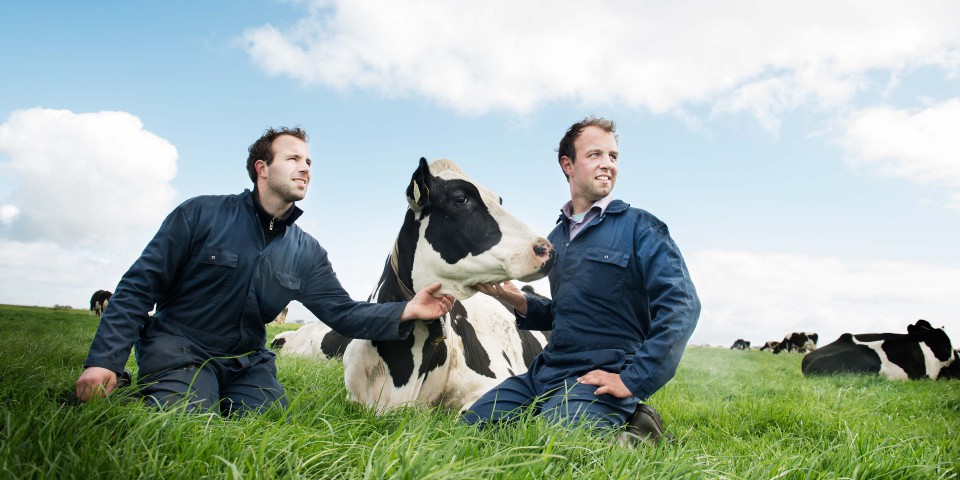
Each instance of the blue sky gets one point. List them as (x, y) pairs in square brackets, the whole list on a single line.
[(805, 156)]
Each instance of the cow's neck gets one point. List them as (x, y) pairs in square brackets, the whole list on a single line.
[(396, 281)]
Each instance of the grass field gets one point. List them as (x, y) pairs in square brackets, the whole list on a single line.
[(736, 414)]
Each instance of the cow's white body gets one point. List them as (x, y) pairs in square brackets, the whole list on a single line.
[(453, 384), (304, 341)]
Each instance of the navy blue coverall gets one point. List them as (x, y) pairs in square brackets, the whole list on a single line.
[(622, 302), (216, 281)]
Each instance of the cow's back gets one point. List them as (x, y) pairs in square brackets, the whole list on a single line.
[(841, 356)]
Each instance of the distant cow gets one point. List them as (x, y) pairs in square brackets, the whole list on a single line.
[(740, 344), (314, 339), (99, 301), (456, 233), (924, 352), (801, 342), (281, 317), (770, 345)]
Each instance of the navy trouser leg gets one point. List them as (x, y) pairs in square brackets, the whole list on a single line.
[(197, 389), (505, 402), (575, 404), (254, 388)]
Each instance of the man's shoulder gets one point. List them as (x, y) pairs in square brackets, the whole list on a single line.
[(203, 201), (304, 240), (642, 217)]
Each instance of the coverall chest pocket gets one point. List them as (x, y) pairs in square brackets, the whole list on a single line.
[(285, 287), (604, 273), (212, 274)]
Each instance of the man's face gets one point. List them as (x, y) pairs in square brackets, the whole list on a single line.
[(594, 173), (289, 173)]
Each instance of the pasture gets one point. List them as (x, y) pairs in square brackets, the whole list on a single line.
[(735, 414)]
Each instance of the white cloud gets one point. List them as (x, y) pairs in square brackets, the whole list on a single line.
[(763, 296), (757, 58), (918, 145), (83, 179), (8, 213), (89, 190)]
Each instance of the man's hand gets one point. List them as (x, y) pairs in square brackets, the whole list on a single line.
[(95, 382), (424, 305), (609, 383), (507, 293)]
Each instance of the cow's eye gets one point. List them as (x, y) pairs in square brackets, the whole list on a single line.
[(460, 199)]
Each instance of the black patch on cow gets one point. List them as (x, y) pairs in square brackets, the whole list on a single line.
[(398, 356), (333, 344), (531, 347), (467, 228), (952, 370), (434, 348), (936, 339), (390, 290), (841, 356), (278, 343), (906, 355), (503, 353), (474, 354)]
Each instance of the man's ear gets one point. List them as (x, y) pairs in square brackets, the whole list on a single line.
[(566, 164), (261, 167)]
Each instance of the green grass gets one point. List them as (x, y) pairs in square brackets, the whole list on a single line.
[(736, 414)]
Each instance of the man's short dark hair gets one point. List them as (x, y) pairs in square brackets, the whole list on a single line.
[(566, 143), (261, 149)]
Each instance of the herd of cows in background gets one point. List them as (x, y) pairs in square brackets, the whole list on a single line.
[(457, 233), (923, 352)]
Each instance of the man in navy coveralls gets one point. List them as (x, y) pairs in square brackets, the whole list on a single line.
[(623, 306), (219, 268)]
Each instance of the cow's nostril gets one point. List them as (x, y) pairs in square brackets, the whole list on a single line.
[(539, 250)]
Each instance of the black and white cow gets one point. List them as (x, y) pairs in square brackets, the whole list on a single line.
[(770, 345), (801, 342), (740, 344), (924, 352), (99, 301), (457, 233), (314, 339)]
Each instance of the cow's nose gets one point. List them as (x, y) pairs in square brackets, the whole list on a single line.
[(543, 248)]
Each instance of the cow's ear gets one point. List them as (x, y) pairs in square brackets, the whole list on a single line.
[(418, 193)]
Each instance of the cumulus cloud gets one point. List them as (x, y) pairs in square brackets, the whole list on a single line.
[(763, 296), (83, 178), (918, 145), (8, 213), (754, 58), (89, 189)]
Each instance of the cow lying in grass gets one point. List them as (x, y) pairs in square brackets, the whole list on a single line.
[(457, 233), (924, 352)]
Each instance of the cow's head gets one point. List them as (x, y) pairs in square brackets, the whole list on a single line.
[(465, 235), (936, 340)]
